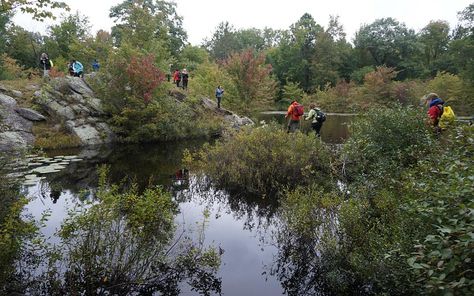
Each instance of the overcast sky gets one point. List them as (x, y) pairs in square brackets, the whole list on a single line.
[(201, 17)]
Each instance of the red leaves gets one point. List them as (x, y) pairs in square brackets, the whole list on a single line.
[(144, 77)]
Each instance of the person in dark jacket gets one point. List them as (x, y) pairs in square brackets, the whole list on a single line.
[(184, 78), (45, 64)]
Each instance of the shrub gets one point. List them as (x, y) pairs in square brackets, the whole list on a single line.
[(9, 68), (121, 243), (454, 91), (385, 141), (443, 199), (265, 160), (255, 87)]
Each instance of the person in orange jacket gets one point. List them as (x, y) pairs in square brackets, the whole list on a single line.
[(295, 111)]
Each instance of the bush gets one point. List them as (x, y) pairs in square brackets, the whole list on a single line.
[(454, 91), (9, 68), (384, 142), (266, 160), (121, 243), (443, 199)]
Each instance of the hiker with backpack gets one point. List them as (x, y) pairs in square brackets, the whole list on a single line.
[(318, 117), (219, 94), (177, 77), (439, 114), (184, 78), (77, 68), (45, 64), (295, 111)]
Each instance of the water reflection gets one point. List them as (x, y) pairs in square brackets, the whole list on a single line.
[(236, 223)]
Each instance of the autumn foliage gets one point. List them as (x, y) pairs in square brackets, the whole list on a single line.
[(144, 77), (251, 76)]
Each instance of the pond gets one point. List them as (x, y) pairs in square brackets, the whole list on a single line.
[(240, 226)]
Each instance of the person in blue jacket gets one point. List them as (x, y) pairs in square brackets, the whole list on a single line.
[(95, 65), (77, 68), (219, 94)]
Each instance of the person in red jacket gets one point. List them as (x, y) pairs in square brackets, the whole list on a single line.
[(177, 77), (435, 110), (295, 111)]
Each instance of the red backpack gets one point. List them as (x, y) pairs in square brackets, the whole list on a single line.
[(298, 110)]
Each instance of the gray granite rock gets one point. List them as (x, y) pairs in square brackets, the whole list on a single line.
[(30, 114)]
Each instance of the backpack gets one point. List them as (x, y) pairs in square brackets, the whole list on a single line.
[(298, 110), (320, 116), (447, 117)]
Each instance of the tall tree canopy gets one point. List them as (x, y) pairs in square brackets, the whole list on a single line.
[(156, 18), (388, 43)]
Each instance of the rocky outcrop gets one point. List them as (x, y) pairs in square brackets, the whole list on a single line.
[(233, 120), (15, 131), (30, 114), (71, 101)]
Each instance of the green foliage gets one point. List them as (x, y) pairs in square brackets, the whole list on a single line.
[(442, 260), (160, 121), (292, 91), (121, 243), (388, 43), (137, 21), (386, 141), (23, 46), (15, 229), (454, 91), (40, 9), (265, 160), (72, 29)]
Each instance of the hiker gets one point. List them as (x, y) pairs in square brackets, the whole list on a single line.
[(184, 78), (435, 110), (295, 111), (95, 65), (177, 77), (318, 117), (45, 64), (219, 94), (440, 114), (77, 68)]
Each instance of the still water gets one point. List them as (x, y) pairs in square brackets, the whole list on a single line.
[(239, 225)]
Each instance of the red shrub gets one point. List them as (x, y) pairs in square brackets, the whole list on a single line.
[(144, 77)]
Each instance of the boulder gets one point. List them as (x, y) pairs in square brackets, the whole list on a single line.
[(78, 85), (30, 114), (17, 93), (7, 101), (235, 121), (15, 140)]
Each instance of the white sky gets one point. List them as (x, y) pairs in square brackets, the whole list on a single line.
[(201, 17)]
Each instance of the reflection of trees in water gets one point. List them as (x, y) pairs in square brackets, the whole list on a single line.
[(255, 211), (123, 243), (305, 261)]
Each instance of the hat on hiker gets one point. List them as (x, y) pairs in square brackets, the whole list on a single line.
[(431, 96)]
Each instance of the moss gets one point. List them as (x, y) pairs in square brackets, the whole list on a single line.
[(48, 136)]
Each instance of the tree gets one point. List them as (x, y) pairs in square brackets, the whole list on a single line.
[(39, 9), (251, 76), (23, 46), (223, 42), (462, 47), (434, 39), (387, 42), (292, 59), (141, 19), (72, 28)]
